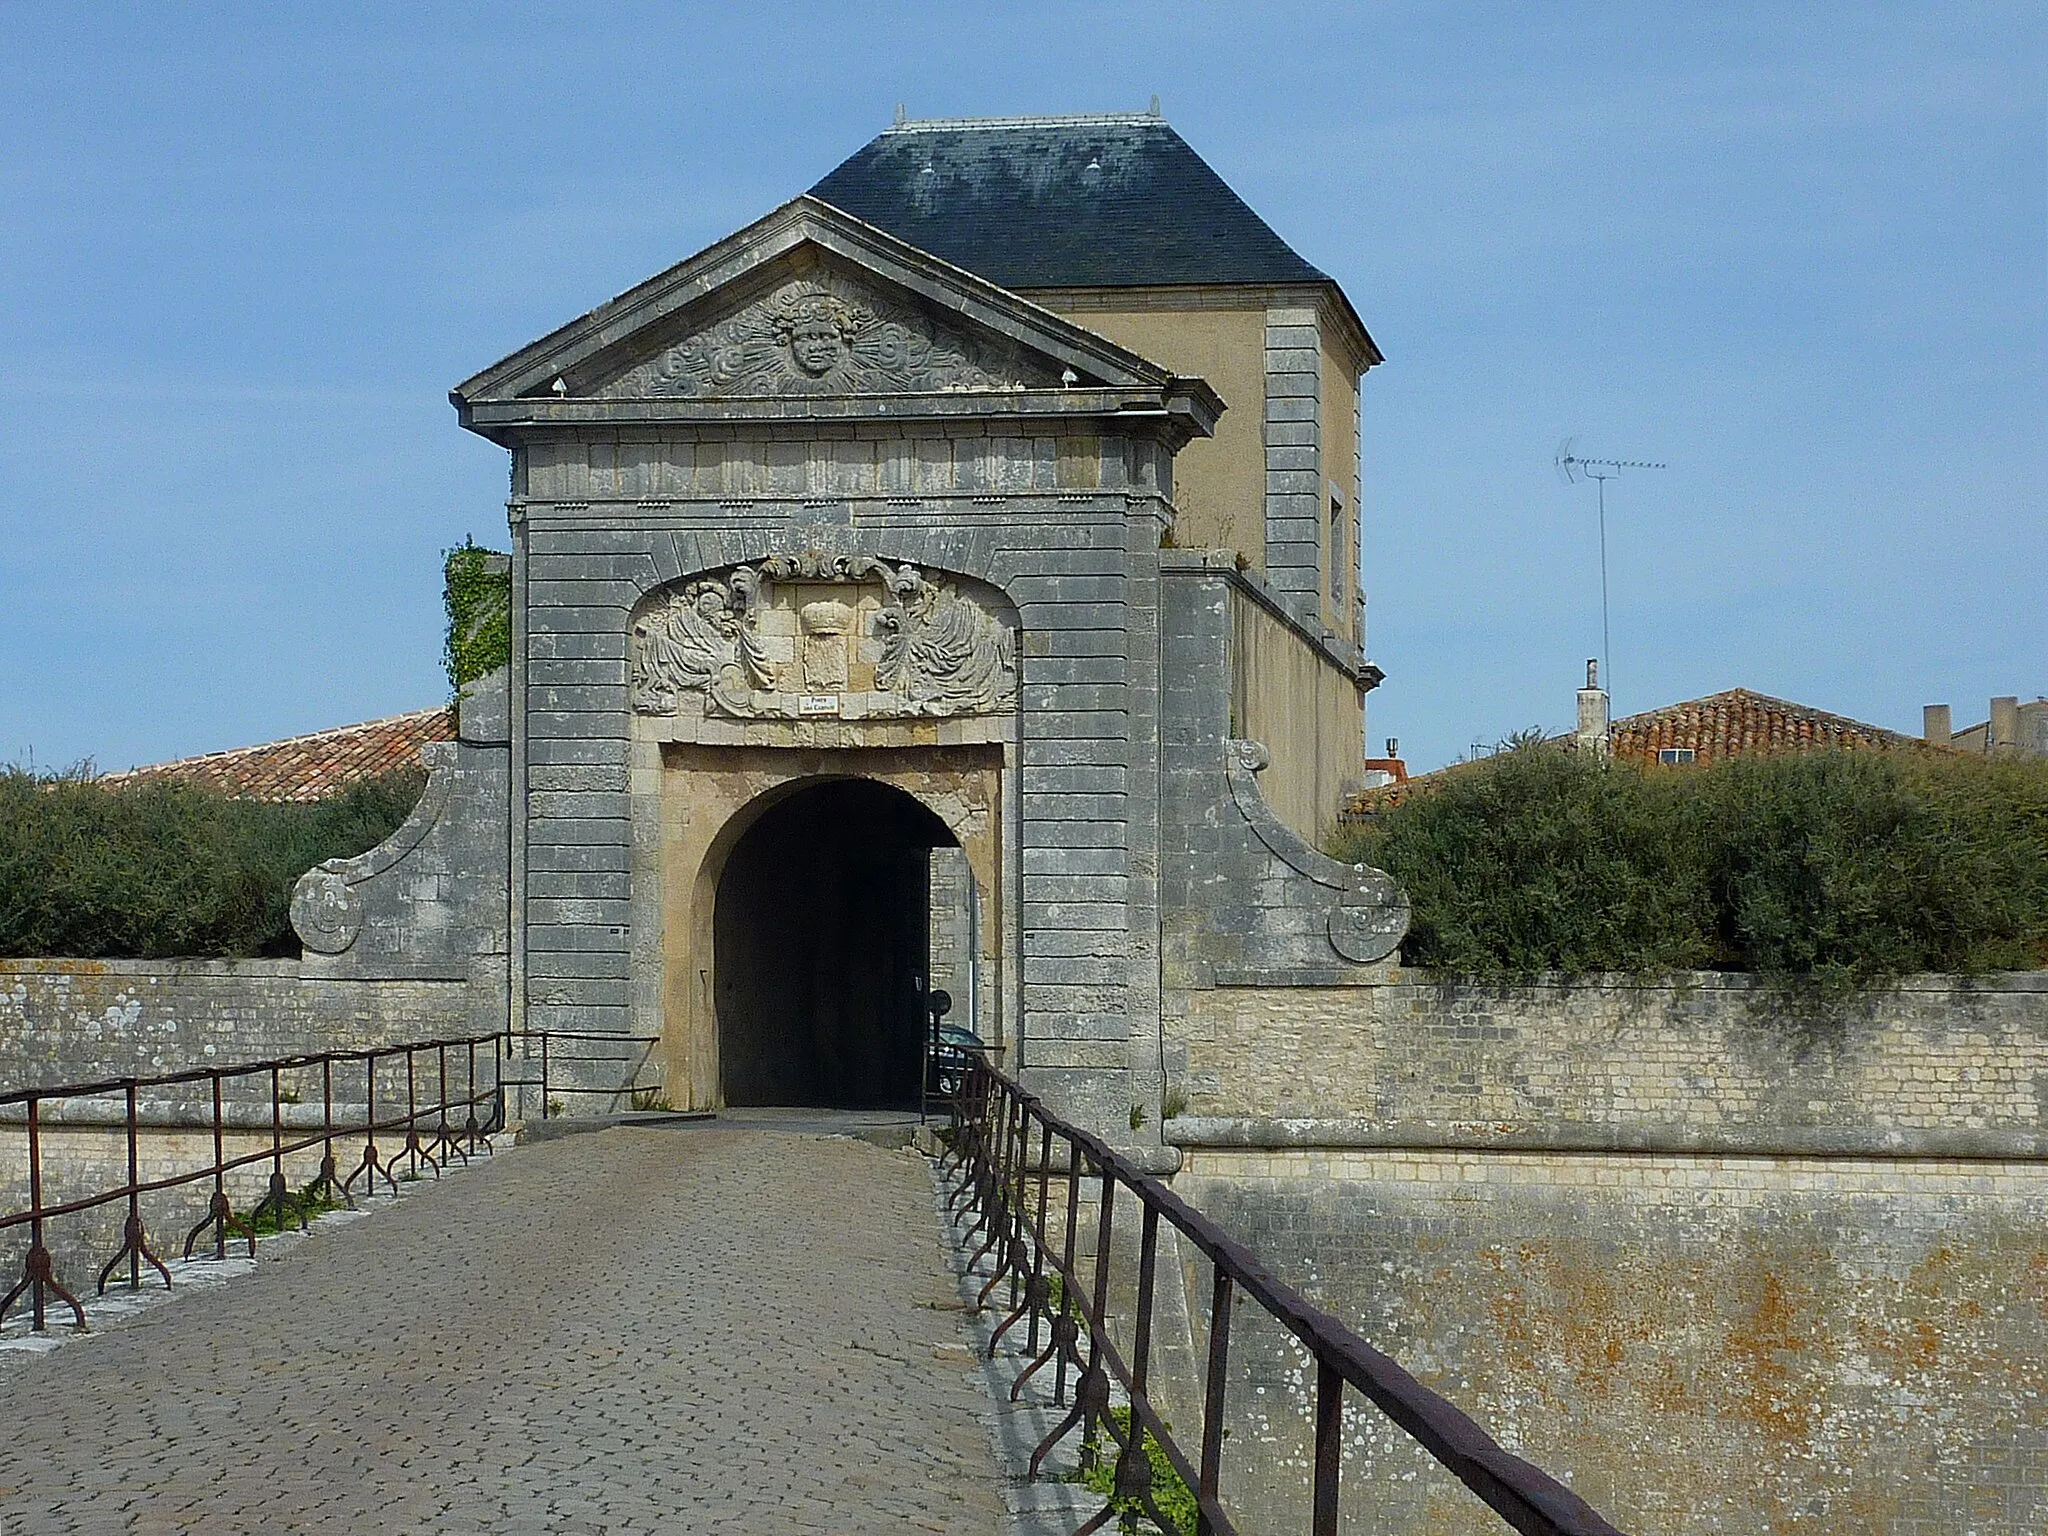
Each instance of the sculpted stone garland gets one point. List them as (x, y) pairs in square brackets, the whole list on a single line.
[(932, 651)]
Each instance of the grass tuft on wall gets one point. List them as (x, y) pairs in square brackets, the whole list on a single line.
[(1832, 870), (162, 870)]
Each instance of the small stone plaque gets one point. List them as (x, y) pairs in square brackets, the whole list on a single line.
[(817, 704)]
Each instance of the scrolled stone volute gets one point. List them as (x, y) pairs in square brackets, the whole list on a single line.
[(1369, 920), (327, 912)]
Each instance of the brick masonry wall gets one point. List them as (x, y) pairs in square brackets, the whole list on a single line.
[(1717, 1268)]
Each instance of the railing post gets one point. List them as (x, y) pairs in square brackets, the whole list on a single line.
[(39, 1272), (278, 1199), (543, 1074), (134, 1243), (1329, 1447), (1070, 1303), (328, 1180), (1208, 1490), (371, 1165), (219, 1213)]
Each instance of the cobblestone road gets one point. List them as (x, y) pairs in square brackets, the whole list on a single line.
[(675, 1330)]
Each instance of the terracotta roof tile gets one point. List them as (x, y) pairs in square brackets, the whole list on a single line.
[(1739, 723), (1735, 723), (302, 768)]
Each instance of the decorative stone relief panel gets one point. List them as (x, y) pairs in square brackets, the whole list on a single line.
[(817, 636), (821, 335)]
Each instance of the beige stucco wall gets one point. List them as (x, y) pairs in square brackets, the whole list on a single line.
[(1219, 335), (1305, 710), (710, 795), (1219, 483)]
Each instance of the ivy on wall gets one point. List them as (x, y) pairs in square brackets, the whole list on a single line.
[(479, 598)]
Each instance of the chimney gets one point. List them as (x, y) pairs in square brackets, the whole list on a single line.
[(1936, 729), (2002, 737), (1592, 735)]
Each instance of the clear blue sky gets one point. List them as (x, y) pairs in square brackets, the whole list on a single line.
[(1800, 252)]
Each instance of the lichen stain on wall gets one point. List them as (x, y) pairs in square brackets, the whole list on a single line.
[(1836, 1346), (1549, 1308), (1770, 1350)]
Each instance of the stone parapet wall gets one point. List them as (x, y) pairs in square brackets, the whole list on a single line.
[(66, 1021), (1936, 1066)]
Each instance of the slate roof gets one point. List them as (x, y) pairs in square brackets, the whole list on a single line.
[(1101, 201), (309, 767)]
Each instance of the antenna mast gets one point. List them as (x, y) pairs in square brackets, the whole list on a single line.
[(1572, 467)]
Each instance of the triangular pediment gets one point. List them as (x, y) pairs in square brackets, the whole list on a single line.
[(822, 327), (811, 304)]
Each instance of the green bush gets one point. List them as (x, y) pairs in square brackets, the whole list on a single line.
[(1838, 869), (166, 869)]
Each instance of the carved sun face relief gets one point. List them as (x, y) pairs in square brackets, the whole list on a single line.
[(824, 335), (799, 636)]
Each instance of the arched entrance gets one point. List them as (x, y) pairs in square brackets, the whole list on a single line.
[(822, 934)]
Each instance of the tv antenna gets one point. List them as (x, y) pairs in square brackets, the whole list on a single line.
[(1572, 467)]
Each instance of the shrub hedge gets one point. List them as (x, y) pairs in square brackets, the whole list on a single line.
[(164, 869), (1837, 869)]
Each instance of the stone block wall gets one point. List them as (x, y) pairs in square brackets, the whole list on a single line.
[(82, 1021), (431, 899), (1245, 899), (1068, 534), (67, 1021), (1717, 1266), (1699, 1063)]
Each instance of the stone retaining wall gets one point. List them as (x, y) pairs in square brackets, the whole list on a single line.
[(65, 1021), (1717, 1265), (1938, 1066)]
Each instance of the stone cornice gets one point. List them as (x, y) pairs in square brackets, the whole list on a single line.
[(554, 376), (1184, 409)]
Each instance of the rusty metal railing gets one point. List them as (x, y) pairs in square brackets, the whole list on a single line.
[(439, 1119), (1007, 1153)]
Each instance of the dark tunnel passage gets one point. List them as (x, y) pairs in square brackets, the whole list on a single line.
[(822, 934)]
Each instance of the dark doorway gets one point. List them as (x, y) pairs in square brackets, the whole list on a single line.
[(823, 939)]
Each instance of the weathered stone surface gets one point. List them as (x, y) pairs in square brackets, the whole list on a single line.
[(1711, 1264), (67, 1021)]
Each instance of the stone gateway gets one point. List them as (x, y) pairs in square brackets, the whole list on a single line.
[(951, 580), (893, 544)]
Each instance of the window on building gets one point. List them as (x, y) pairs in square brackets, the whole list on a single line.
[(1337, 552), (1674, 754)]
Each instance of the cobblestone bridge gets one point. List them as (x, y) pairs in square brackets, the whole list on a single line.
[(708, 1329)]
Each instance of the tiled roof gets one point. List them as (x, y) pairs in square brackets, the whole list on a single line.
[(1739, 723), (1736, 723), (309, 767), (1384, 797), (1104, 201)]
